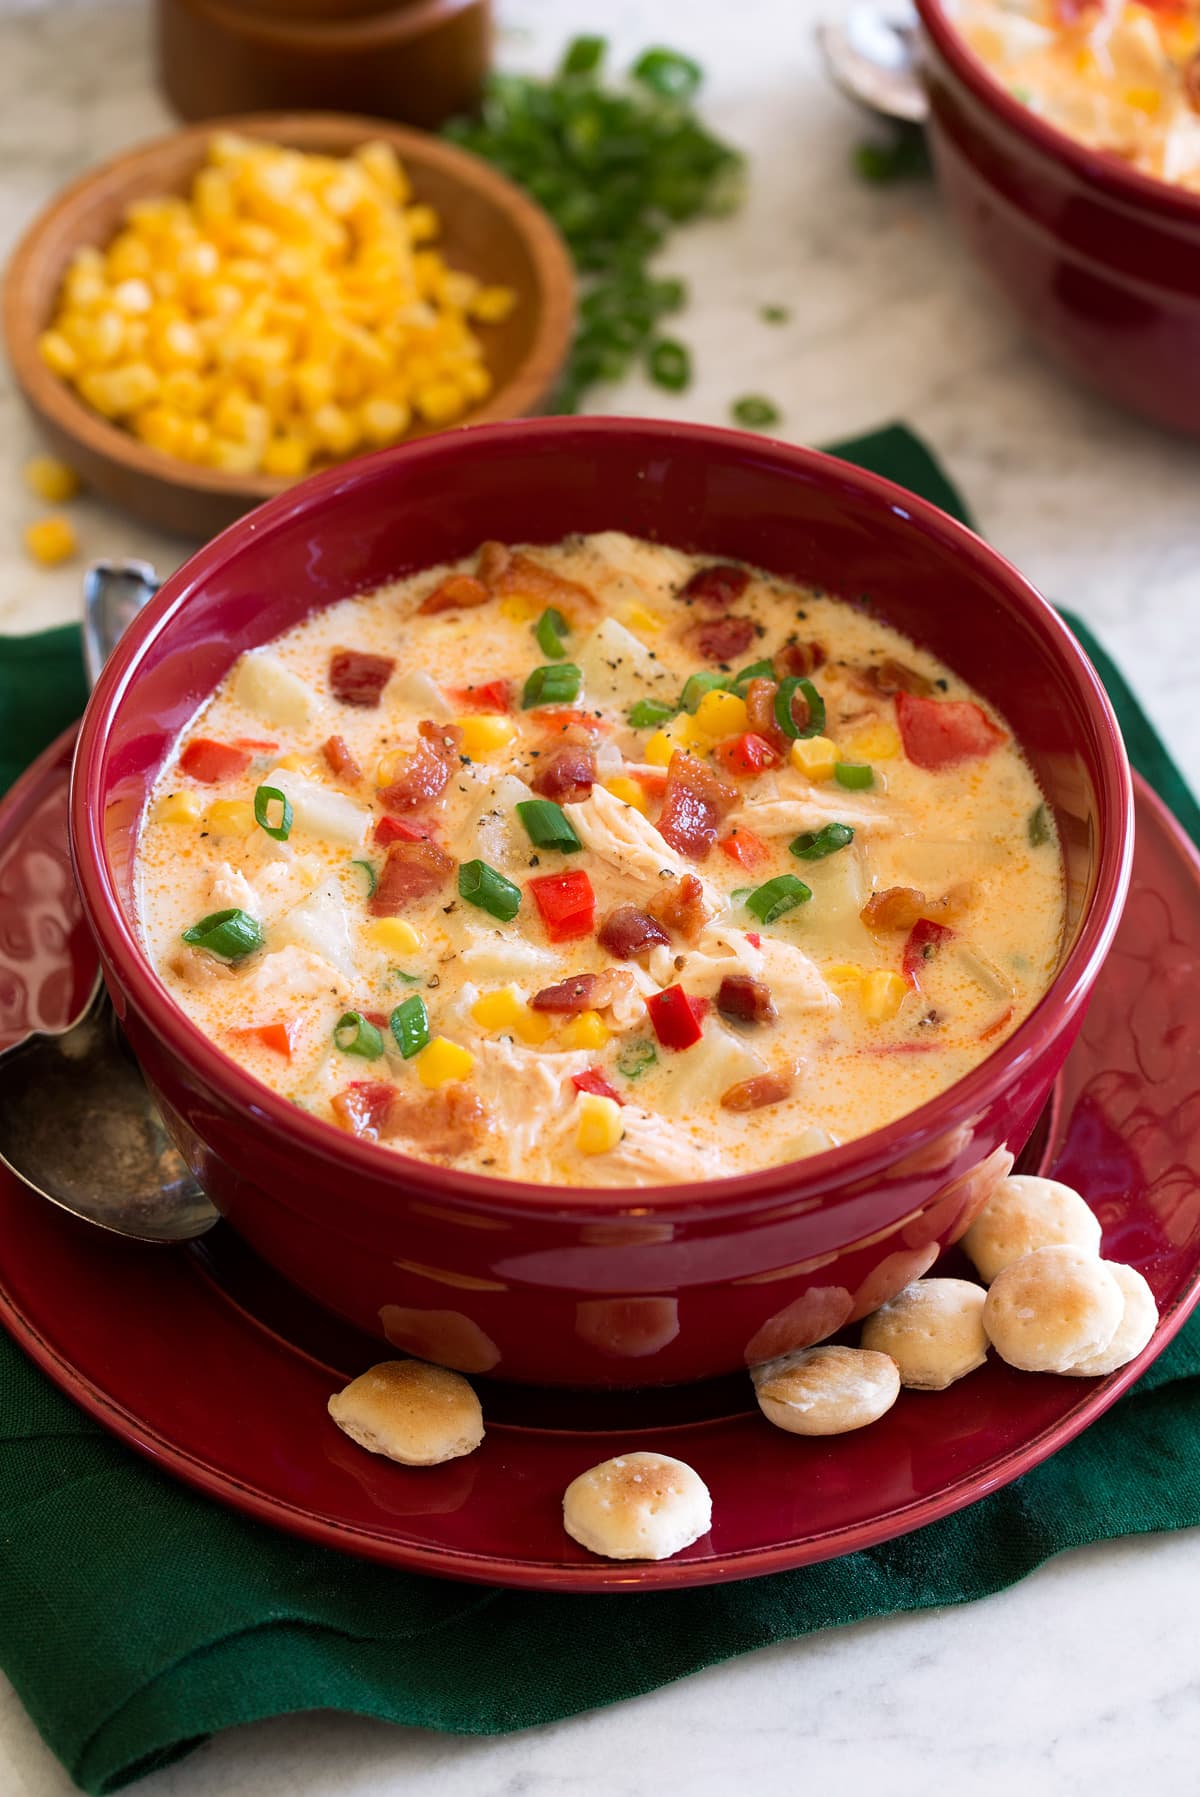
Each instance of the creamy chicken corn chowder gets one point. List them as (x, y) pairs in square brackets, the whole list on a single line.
[(600, 864)]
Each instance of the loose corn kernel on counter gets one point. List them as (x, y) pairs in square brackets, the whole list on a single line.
[(600, 864), (291, 310)]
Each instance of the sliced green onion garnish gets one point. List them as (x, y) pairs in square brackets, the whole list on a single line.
[(372, 876), (783, 708), (550, 630), (814, 845), (409, 1024), (409, 979), (481, 885), (1038, 827), (636, 1058), (556, 685), (353, 1034), (548, 826), (271, 795), (854, 776), (229, 934), (781, 894), (755, 411), (758, 670), (698, 686), (669, 364), (649, 712), (740, 894)]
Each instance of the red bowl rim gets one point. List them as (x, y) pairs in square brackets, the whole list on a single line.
[(855, 1160), (1106, 172)]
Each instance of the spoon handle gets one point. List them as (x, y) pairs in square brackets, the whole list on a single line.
[(113, 595)]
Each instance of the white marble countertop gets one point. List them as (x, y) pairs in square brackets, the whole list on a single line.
[(1083, 1679)]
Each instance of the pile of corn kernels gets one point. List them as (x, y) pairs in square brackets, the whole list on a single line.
[(290, 311)]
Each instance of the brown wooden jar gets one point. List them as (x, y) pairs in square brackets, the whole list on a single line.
[(415, 60)]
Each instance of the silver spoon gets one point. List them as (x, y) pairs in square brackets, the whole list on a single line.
[(871, 54), (77, 1121)]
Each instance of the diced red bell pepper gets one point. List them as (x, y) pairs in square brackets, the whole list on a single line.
[(745, 848), (567, 904), (925, 942), (363, 1107), (210, 762), (561, 717), (939, 733), (268, 1035), (675, 1017), (492, 696), (746, 755), (255, 745), (594, 1081), (396, 829), (753, 938)]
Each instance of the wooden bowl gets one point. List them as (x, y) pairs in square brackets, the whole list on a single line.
[(489, 227)]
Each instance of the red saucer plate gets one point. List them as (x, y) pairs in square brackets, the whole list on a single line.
[(206, 1362)]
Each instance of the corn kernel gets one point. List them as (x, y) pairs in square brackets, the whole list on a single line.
[(57, 353), (116, 392), (881, 995), (483, 733), (313, 382), (475, 381), (878, 742), (492, 305), (685, 732), (394, 936), (97, 337), (286, 457), (1144, 99), (423, 224), (518, 609), (587, 1030), (384, 167), (443, 1063), (133, 297), (721, 714), (506, 1013), (50, 540), (439, 402), (659, 750), (845, 977), (816, 756), (231, 817), (384, 420), (179, 808), (628, 791), (185, 391), (636, 617), (128, 258), (295, 763), (51, 479), (232, 457), (599, 1127), (334, 429), (161, 428)]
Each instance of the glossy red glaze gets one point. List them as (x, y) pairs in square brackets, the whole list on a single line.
[(1101, 261), (117, 1325), (736, 1261)]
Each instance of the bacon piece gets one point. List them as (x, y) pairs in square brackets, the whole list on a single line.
[(747, 1000), (458, 592), (753, 1094), (568, 997), (720, 639), (357, 678), (412, 870), (760, 710), (628, 933), (798, 660), (566, 776), (1191, 82), (681, 907), (341, 759), (398, 829), (940, 733), (195, 968), (505, 571), (895, 908), (363, 1107), (428, 769), (442, 1124), (716, 587), (889, 677), (694, 806)]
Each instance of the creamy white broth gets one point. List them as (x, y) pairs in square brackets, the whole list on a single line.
[(855, 1040)]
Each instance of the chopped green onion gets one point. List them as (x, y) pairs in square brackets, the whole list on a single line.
[(740, 893), (556, 685), (481, 885), (229, 934), (854, 776), (409, 1024), (814, 845), (636, 1058), (668, 74), (774, 314), (372, 876), (409, 979), (669, 364), (781, 894), (1038, 827), (755, 412), (698, 686), (758, 670), (354, 1035), (548, 826), (648, 712), (271, 795), (815, 722), (550, 630)]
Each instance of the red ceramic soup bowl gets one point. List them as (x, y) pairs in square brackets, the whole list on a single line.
[(1101, 261), (587, 1287)]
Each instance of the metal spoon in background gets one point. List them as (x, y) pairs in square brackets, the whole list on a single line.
[(871, 55), (77, 1122)]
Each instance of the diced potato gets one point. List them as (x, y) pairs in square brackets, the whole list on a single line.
[(272, 692), (695, 1081), (319, 809), (612, 659), (320, 922)]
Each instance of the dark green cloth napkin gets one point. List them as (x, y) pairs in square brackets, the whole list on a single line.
[(137, 1618)]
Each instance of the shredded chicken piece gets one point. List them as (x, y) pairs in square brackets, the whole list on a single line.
[(628, 842)]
